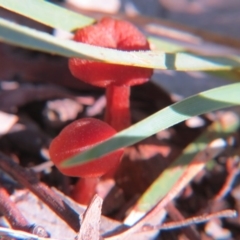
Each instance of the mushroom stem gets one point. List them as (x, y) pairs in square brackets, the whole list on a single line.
[(84, 190), (117, 112)]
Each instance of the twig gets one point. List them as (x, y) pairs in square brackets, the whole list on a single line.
[(199, 161), (16, 234), (176, 216), (27, 178), (193, 220), (42, 166), (11, 212), (26, 93), (227, 187)]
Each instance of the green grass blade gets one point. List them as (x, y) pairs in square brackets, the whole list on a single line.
[(233, 74), (165, 45), (207, 101), (33, 39), (164, 183), (47, 13)]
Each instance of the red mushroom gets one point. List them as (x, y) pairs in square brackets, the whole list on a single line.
[(117, 79), (76, 138)]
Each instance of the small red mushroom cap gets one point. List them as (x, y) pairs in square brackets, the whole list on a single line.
[(116, 34), (78, 137)]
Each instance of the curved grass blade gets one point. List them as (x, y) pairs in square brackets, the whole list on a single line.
[(48, 14), (164, 45), (33, 39), (228, 123), (233, 74), (203, 102)]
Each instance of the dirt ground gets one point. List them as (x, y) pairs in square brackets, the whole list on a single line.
[(38, 97)]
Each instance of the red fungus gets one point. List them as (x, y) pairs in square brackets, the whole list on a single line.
[(117, 79), (78, 137)]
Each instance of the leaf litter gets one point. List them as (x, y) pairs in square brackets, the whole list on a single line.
[(141, 165)]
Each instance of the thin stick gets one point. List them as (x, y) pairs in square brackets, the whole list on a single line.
[(176, 216), (27, 178), (17, 234), (190, 221), (227, 187), (12, 213), (197, 164)]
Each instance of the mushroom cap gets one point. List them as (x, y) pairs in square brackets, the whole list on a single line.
[(78, 137), (116, 34)]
